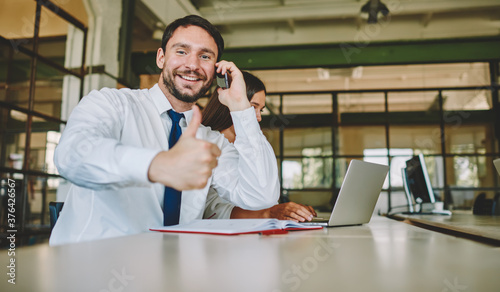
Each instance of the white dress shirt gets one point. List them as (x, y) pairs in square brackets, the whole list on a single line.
[(105, 151)]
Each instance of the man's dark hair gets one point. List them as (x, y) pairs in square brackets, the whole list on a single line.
[(197, 21)]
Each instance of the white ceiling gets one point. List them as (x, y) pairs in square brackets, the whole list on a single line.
[(261, 23), (256, 23)]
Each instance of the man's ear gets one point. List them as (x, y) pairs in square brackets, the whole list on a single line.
[(160, 58)]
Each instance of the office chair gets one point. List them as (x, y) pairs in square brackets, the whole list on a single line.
[(54, 210)]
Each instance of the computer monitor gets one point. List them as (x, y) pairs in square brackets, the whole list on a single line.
[(407, 190), (418, 182), (418, 187)]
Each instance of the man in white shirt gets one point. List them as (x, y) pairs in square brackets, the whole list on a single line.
[(116, 153)]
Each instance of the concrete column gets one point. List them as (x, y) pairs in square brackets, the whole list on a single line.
[(102, 50), (102, 42), (73, 60)]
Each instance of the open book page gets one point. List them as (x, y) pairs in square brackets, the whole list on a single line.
[(234, 226)]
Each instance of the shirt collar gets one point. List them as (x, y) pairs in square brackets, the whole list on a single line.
[(162, 104)]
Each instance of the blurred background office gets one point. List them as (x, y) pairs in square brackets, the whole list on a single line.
[(346, 79)]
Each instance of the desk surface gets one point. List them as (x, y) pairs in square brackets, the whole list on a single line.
[(478, 227), (384, 255)]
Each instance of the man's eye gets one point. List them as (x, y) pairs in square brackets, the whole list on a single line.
[(205, 57), (181, 52)]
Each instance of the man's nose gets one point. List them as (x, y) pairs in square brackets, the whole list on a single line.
[(192, 62)]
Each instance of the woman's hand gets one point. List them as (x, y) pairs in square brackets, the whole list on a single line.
[(285, 211), (292, 211)]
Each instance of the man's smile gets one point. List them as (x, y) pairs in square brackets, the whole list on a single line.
[(189, 78)]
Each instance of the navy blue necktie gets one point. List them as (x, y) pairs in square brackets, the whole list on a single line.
[(172, 197)]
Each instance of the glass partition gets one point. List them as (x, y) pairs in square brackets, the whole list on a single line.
[(273, 136), (307, 172), (49, 90), (272, 104), (12, 137), (421, 138), (387, 114), (37, 109), (413, 101), (307, 103), (298, 141), (361, 102), (5, 52), (353, 140), (467, 100), (17, 91)]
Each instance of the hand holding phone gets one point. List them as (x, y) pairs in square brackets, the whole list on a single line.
[(222, 80), (232, 93)]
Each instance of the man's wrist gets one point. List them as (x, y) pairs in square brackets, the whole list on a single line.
[(156, 171)]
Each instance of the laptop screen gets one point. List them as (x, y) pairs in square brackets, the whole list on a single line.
[(496, 162)]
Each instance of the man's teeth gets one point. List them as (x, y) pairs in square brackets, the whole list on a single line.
[(189, 78)]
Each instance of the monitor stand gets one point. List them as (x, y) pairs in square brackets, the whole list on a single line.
[(431, 212)]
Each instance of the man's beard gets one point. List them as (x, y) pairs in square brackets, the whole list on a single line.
[(190, 98)]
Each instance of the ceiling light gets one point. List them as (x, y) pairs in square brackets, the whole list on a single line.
[(373, 10), (158, 31)]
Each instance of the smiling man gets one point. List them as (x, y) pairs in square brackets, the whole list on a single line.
[(140, 158)]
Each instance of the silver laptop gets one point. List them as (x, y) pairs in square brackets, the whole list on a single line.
[(496, 162), (358, 195)]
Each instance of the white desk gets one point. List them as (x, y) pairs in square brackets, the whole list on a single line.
[(385, 255), (476, 227)]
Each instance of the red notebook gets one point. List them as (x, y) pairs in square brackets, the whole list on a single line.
[(236, 226)]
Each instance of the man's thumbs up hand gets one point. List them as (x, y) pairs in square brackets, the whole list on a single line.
[(194, 124), (188, 165)]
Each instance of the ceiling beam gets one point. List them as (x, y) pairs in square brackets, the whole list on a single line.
[(337, 55), (426, 19), (347, 55), (188, 7), (335, 9), (291, 25), (146, 16)]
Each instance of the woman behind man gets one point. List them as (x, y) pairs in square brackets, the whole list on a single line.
[(218, 117)]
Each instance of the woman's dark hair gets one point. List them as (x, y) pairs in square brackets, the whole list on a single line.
[(197, 21), (216, 115)]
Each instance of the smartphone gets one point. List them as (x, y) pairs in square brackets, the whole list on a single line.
[(222, 80)]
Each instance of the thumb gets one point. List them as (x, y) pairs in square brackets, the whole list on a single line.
[(195, 123)]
